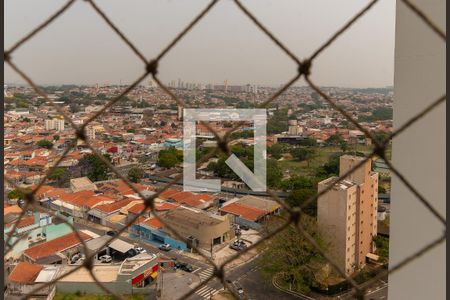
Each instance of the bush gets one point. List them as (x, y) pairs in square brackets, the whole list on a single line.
[(45, 144)]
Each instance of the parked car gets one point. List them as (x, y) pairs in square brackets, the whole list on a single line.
[(105, 259), (140, 250), (186, 267), (112, 233), (244, 227), (75, 258), (239, 290), (238, 245), (165, 247), (132, 252)]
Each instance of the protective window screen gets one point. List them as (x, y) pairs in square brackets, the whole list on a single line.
[(150, 69)]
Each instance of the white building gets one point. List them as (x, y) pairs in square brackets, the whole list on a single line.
[(90, 132), (54, 124)]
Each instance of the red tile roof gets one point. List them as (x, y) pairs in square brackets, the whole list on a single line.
[(245, 212), (37, 161), (42, 190), (11, 209), (25, 272), (153, 222), (167, 194), (137, 208), (57, 245), (165, 206), (180, 196), (24, 222), (77, 198), (108, 208)]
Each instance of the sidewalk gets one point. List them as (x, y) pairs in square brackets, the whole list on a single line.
[(175, 284)]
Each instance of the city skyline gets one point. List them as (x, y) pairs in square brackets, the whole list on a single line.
[(223, 45)]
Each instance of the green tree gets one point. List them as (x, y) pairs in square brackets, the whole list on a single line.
[(380, 113), (293, 259), (135, 174), (380, 136), (330, 168), (303, 154), (301, 189), (273, 173), (242, 134), (169, 158), (298, 182), (45, 144), (334, 140), (56, 137), (93, 167), (221, 169), (278, 123), (300, 196), (22, 104), (381, 189), (382, 246), (277, 150), (60, 175), (308, 142), (344, 146), (15, 194)]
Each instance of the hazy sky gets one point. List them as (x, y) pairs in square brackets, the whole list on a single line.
[(80, 48)]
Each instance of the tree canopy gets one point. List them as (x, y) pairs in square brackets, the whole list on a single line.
[(135, 174), (294, 259), (45, 144), (170, 158), (93, 167)]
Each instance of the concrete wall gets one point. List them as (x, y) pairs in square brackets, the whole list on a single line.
[(419, 153), (121, 288), (252, 225)]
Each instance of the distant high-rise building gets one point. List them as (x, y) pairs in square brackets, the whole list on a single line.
[(347, 213), (54, 124), (90, 132), (180, 113)]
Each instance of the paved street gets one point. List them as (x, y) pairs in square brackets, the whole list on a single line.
[(246, 275), (254, 286), (380, 293)]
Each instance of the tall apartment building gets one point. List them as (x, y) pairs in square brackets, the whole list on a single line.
[(54, 124), (90, 132), (347, 213)]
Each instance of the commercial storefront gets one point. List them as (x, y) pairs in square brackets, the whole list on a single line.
[(145, 278)]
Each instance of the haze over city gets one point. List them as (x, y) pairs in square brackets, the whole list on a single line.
[(79, 48)]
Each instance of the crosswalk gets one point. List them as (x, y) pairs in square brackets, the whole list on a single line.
[(206, 273), (206, 292)]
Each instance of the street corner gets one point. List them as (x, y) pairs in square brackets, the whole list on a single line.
[(174, 284)]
